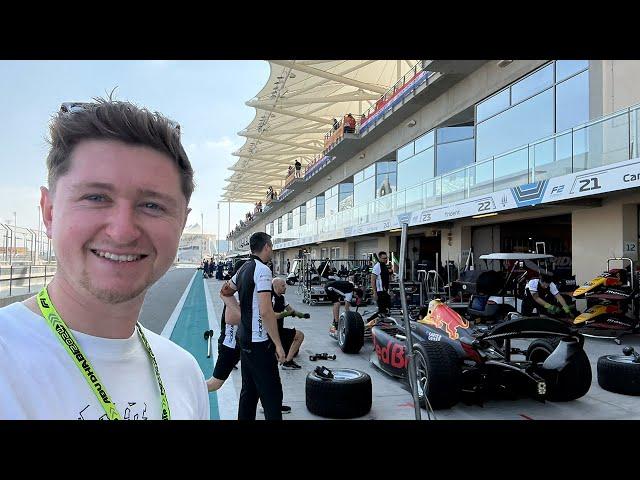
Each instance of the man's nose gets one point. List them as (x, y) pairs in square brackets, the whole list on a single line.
[(122, 225)]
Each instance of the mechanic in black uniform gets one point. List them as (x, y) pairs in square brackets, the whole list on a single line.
[(339, 292), (261, 348), (543, 293), (290, 337)]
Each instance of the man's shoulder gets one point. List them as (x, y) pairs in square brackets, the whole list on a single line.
[(262, 269), (17, 315)]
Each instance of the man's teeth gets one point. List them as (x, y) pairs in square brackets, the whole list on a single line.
[(118, 258)]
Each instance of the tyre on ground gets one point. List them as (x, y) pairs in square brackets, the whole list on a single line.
[(619, 374), (347, 395)]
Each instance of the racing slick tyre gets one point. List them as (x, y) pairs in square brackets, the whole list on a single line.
[(439, 374), (350, 332), (619, 374), (541, 348), (346, 395)]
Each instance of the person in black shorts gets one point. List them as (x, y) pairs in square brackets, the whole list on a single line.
[(228, 350), (339, 292), (290, 337)]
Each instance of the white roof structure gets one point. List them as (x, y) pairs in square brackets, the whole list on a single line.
[(295, 109)]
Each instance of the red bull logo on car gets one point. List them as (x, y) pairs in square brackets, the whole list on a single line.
[(445, 318)]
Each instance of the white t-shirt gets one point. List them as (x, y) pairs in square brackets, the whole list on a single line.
[(39, 380), (533, 287), (377, 271)]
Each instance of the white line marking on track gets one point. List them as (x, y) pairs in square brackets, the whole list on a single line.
[(171, 323)]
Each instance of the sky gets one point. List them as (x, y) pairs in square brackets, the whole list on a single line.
[(207, 98)]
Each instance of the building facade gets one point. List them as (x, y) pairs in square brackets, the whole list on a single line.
[(508, 156)]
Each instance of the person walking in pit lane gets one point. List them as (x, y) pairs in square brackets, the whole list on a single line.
[(291, 338)]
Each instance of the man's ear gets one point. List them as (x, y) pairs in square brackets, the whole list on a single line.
[(46, 205), (185, 218)]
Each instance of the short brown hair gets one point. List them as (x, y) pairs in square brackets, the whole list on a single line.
[(114, 120)]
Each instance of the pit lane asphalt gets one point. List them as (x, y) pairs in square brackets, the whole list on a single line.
[(390, 400)]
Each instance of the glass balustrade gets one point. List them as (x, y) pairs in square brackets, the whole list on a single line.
[(608, 140)]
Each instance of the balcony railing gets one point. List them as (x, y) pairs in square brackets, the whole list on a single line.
[(610, 139), (408, 83)]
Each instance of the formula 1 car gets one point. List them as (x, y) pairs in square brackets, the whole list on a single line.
[(456, 362)]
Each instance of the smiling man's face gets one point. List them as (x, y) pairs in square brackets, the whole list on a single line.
[(115, 219)]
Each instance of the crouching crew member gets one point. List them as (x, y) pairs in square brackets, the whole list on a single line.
[(290, 337), (542, 293)]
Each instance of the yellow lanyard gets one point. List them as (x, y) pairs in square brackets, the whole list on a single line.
[(70, 344)]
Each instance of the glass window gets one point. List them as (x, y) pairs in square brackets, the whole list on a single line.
[(385, 184), (453, 134), (453, 155), (279, 224), (311, 210), (572, 102), (289, 220), (534, 83), (296, 217), (492, 105), (358, 177), (528, 121), (303, 214), (385, 167), (364, 192), (345, 196), (417, 169), (424, 142), (320, 206), (405, 152), (370, 171), (331, 205), (566, 68)]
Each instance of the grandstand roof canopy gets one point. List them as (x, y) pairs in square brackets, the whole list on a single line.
[(295, 109)]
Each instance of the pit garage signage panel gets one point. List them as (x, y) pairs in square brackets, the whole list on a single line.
[(610, 178)]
